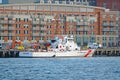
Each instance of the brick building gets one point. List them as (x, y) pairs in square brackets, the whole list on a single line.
[(43, 22), (113, 5)]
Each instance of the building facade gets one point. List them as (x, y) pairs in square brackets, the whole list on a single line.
[(113, 5), (80, 2), (44, 22), (17, 1)]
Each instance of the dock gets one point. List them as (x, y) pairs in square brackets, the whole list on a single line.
[(107, 52), (9, 53), (104, 52)]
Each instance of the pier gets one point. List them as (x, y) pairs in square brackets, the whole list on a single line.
[(105, 52), (9, 53)]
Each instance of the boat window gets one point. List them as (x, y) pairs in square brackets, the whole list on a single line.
[(53, 41), (57, 46)]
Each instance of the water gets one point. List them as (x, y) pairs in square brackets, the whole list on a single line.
[(99, 68)]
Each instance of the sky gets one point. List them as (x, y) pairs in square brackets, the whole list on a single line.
[(0, 1)]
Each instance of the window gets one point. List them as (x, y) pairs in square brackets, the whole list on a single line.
[(78, 32), (26, 20), (62, 26), (17, 25), (111, 16), (103, 16), (10, 31), (34, 25), (34, 19), (41, 37), (25, 32), (48, 38), (70, 26), (49, 32), (26, 38), (92, 33), (92, 27), (9, 18), (18, 32), (104, 38), (104, 22), (48, 20), (25, 26), (48, 26), (9, 38), (85, 32), (62, 32), (104, 5), (18, 19), (114, 5), (91, 15), (1, 38), (62, 21), (70, 32), (10, 25), (33, 38), (17, 38), (34, 31), (104, 33)]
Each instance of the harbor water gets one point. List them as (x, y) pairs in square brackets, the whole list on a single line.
[(95, 68)]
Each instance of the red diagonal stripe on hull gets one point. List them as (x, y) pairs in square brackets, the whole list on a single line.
[(88, 53)]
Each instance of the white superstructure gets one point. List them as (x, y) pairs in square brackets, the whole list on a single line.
[(60, 48)]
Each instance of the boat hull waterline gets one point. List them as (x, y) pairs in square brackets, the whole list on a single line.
[(58, 54)]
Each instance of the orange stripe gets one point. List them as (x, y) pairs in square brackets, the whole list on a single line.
[(88, 53)]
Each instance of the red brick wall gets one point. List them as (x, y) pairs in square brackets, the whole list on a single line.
[(109, 4)]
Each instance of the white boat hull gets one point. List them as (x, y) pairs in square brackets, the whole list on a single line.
[(83, 53)]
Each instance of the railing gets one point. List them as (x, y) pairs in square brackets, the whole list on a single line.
[(10, 16), (4, 22), (85, 19), (11, 34), (11, 28), (35, 34), (4, 28), (105, 24), (35, 22), (42, 28), (3, 34), (11, 22), (112, 24), (91, 22), (82, 29), (35, 28), (117, 25), (108, 30), (82, 23), (1, 16), (42, 22), (42, 34)]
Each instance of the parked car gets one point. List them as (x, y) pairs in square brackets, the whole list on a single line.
[(94, 45)]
